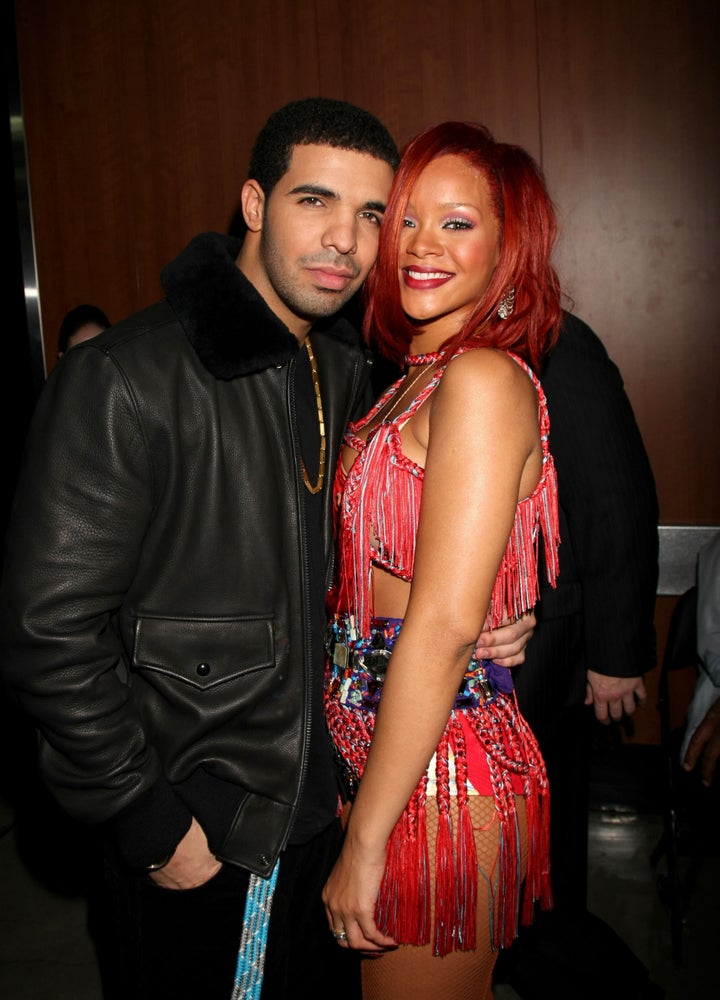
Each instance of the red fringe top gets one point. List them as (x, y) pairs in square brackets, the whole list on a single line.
[(380, 507)]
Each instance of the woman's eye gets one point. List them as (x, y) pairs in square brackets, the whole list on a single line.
[(457, 224), (408, 223)]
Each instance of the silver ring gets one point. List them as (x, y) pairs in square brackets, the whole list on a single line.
[(339, 935)]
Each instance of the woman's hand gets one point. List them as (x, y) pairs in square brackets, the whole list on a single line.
[(350, 895)]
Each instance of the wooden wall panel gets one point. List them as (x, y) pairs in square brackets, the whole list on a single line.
[(140, 114), (631, 146), (415, 63)]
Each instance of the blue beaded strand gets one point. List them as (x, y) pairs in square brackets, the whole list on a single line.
[(253, 942)]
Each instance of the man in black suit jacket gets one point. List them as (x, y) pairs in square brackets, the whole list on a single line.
[(595, 636)]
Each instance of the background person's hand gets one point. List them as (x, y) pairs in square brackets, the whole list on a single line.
[(705, 744), (613, 696)]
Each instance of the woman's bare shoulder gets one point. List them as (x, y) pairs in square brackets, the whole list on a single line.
[(488, 367)]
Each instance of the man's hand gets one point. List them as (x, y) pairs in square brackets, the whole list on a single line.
[(706, 741), (506, 645), (612, 696), (191, 865)]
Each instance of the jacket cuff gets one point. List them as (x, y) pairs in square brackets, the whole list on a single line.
[(152, 826)]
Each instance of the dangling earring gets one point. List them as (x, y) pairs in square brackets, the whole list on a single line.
[(507, 303)]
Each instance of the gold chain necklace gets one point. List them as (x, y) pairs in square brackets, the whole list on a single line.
[(321, 421)]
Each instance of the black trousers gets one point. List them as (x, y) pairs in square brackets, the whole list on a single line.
[(550, 689), (183, 945)]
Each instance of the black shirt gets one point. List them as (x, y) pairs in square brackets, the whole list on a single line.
[(320, 792)]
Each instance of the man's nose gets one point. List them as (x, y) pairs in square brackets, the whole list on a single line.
[(342, 235)]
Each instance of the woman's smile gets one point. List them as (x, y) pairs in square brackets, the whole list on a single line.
[(425, 278)]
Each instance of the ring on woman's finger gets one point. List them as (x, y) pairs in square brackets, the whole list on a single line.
[(340, 935)]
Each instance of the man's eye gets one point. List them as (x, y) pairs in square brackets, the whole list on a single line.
[(310, 199), (372, 217)]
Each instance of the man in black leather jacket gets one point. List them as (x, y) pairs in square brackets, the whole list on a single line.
[(166, 567)]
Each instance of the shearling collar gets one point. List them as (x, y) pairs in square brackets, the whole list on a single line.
[(226, 320)]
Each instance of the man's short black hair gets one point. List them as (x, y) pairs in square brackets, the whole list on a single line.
[(318, 121)]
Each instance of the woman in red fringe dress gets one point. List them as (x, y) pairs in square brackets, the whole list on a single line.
[(446, 843)]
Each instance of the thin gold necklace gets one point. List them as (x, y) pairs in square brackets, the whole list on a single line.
[(321, 421), (396, 400)]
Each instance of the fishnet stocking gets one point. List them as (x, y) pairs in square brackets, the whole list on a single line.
[(417, 974)]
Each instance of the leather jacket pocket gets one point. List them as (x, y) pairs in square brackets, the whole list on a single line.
[(203, 652)]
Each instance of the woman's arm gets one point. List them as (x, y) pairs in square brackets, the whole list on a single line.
[(483, 453)]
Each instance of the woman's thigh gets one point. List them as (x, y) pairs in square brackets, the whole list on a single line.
[(418, 974)]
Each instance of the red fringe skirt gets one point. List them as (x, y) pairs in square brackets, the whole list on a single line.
[(512, 755)]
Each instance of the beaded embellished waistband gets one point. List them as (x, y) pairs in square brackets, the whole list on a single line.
[(357, 667)]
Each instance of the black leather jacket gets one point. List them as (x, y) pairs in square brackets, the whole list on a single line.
[(156, 577)]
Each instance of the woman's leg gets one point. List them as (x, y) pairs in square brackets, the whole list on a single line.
[(416, 973)]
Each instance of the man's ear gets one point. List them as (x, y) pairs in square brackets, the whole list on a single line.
[(252, 200)]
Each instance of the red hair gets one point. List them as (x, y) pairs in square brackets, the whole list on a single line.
[(528, 228)]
